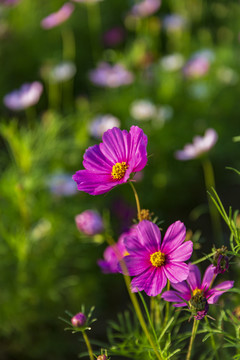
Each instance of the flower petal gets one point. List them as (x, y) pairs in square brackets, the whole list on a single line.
[(135, 265), (149, 235), (138, 152), (194, 277), (174, 237), (183, 288), (217, 291), (151, 281), (208, 277), (173, 296), (182, 253), (134, 246), (176, 272), (116, 145), (96, 162), (93, 184)]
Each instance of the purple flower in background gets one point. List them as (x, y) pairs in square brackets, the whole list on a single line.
[(103, 123), (114, 36), (9, 2), (28, 95), (146, 8), (174, 22), (200, 146), (153, 261), (111, 76), (221, 260), (196, 67), (79, 320), (195, 294), (61, 184), (58, 17), (113, 254), (89, 222), (111, 162)]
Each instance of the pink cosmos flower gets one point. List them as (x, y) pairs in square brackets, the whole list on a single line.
[(111, 76), (146, 8), (153, 261), (200, 146), (79, 320), (111, 162), (195, 294), (28, 95), (113, 254), (58, 17), (89, 222)]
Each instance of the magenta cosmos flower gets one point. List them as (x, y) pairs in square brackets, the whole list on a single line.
[(28, 95), (111, 162), (200, 145), (58, 17), (112, 76), (195, 294), (89, 222), (153, 261)]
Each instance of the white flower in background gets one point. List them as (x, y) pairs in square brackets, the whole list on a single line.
[(172, 62), (200, 145), (142, 110), (61, 184), (174, 23), (102, 123), (62, 72)]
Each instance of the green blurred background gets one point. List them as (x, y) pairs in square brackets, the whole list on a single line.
[(46, 265)]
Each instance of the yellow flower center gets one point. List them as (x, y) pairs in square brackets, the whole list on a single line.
[(118, 170), (126, 253), (157, 259), (197, 292)]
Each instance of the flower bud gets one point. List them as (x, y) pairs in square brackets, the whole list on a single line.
[(89, 222), (220, 260), (102, 357), (79, 320), (199, 305)]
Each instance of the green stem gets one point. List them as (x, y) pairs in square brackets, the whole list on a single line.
[(137, 200), (135, 301), (167, 306), (203, 258), (68, 44), (194, 332), (90, 352), (212, 340), (209, 183), (94, 24)]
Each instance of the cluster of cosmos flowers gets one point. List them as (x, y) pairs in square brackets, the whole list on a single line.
[(141, 252)]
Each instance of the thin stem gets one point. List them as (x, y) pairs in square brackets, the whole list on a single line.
[(137, 200), (68, 44), (90, 352), (203, 258), (135, 301), (212, 340), (194, 332), (209, 183), (167, 306), (94, 24)]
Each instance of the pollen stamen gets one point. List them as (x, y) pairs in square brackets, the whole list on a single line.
[(197, 292), (157, 259), (118, 170)]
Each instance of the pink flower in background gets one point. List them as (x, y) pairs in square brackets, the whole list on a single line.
[(174, 22), (200, 145), (196, 294), (58, 17), (111, 162), (111, 75), (114, 36), (113, 254), (153, 261), (102, 123), (89, 222), (9, 2), (196, 67), (28, 95), (79, 320), (146, 8)]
